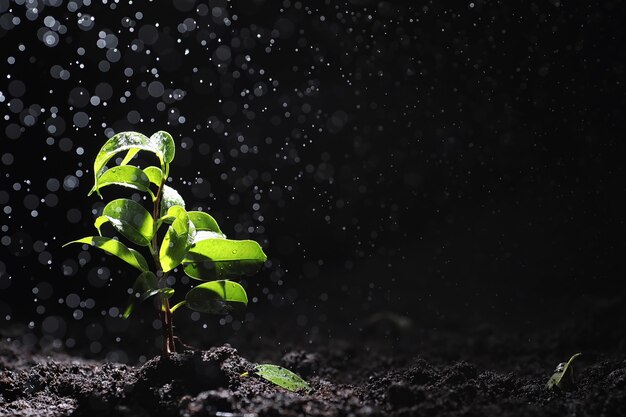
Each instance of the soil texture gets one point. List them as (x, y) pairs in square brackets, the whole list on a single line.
[(346, 379)]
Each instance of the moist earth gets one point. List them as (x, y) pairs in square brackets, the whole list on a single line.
[(346, 380)]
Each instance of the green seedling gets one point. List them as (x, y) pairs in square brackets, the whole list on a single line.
[(192, 240), (280, 376), (563, 376)]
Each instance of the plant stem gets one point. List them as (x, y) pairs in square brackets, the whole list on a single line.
[(168, 328), (166, 314)]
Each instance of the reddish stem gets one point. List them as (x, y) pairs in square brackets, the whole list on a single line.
[(166, 314)]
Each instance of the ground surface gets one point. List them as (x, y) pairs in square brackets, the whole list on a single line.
[(349, 378)]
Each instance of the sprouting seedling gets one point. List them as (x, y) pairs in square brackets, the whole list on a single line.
[(563, 376), (193, 239), (280, 376)]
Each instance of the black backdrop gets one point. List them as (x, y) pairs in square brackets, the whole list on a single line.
[(389, 156)]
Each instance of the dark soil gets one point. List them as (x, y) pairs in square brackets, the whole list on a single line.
[(348, 380), (377, 365)]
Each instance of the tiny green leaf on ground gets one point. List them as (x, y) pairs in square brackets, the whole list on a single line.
[(117, 248), (563, 374), (217, 297), (282, 377)]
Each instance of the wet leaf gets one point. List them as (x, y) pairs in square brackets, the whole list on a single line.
[(205, 234), (563, 375), (165, 142), (155, 175), (205, 222), (130, 219), (178, 239), (217, 297), (161, 144), (126, 176), (170, 198), (168, 218), (116, 248), (100, 220), (282, 377), (129, 156), (146, 285), (213, 258)]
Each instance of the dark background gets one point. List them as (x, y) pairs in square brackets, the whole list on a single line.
[(437, 163)]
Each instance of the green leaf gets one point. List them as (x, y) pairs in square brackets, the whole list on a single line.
[(99, 222), (130, 219), (166, 142), (204, 221), (170, 198), (177, 306), (155, 175), (178, 239), (146, 285), (559, 379), (129, 156), (115, 247), (282, 377), (126, 176), (161, 144), (217, 297), (223, 258), (206, 234), (140, 259)]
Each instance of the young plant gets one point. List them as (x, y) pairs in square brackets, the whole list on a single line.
[(192, 240), (563, 376)]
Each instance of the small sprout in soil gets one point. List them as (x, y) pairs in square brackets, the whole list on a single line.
[(192, 239), (563, 376), (282, 377)]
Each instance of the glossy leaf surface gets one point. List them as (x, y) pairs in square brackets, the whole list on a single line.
[(126, 176), (116, 248), (164, 141), (155, 175), (282, 377), (178, 239), (161, 144), (146, 285), (206, 234), (129, 156), (223, 258), (100, 220), (217, 297), (170, 198), (204, 221), (131, 220)]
